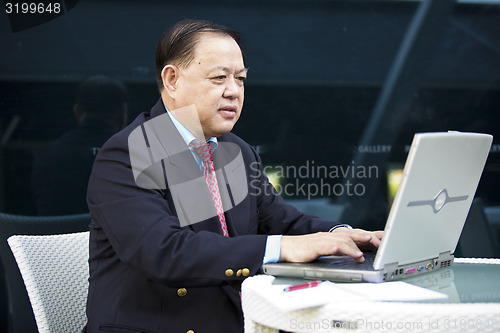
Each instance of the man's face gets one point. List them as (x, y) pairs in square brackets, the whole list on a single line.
[(213, 83)]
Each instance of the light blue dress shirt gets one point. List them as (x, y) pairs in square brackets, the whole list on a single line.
[(273, 243)]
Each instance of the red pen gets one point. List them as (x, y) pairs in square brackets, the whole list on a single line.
[(302, 286)]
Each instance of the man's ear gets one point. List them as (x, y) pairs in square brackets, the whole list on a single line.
[(170, 77)]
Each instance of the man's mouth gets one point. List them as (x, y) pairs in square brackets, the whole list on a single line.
[(228, 111)]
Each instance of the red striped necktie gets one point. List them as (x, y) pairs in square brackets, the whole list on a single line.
[(205, 153)]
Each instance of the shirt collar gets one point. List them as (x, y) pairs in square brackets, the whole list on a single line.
[(186, 135)]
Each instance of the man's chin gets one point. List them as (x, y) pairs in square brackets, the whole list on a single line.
[(222, 131)]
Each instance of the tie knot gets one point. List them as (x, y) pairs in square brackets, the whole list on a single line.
[(203, 149)]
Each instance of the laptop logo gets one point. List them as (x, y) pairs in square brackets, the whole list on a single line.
[(439, 201)]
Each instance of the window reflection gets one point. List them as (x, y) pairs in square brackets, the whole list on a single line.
[(61, 169)]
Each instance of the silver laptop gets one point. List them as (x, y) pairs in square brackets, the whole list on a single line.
[(439, 182)]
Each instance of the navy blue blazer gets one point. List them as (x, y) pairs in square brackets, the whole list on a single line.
[(152, 272)]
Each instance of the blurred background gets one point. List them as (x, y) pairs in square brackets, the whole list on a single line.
[(336, 90)]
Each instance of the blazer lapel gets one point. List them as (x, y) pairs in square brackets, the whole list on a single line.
[(192, 200)]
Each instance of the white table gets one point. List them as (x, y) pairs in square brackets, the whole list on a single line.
[(473, 306)]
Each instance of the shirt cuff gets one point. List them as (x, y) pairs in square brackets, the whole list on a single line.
[(273, 249), (340, 226)]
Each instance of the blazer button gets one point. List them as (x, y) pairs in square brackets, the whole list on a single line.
[(229, 272), (245, 272), (190, 331), (181, 292), (238, 273)]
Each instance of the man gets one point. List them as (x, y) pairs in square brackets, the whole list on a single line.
[(61, 171), (162, 259)]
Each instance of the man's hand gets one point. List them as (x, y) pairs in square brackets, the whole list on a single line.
[(341, 241)]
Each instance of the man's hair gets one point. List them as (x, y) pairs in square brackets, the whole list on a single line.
[(177, 44), (101, 96)]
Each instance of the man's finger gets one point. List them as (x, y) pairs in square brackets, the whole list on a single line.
[(350, 249)]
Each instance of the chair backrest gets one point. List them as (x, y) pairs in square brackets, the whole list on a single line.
[(55, 271), (16, 312)]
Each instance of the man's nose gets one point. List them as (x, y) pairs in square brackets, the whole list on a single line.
[(232, 88)]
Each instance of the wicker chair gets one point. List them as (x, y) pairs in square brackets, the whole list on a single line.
[(55, 271), (16, 308)]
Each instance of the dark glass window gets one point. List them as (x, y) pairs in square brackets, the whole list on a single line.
[(341, 84)]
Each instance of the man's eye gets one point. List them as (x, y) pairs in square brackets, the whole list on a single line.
[(220, 77), (242, 78)]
